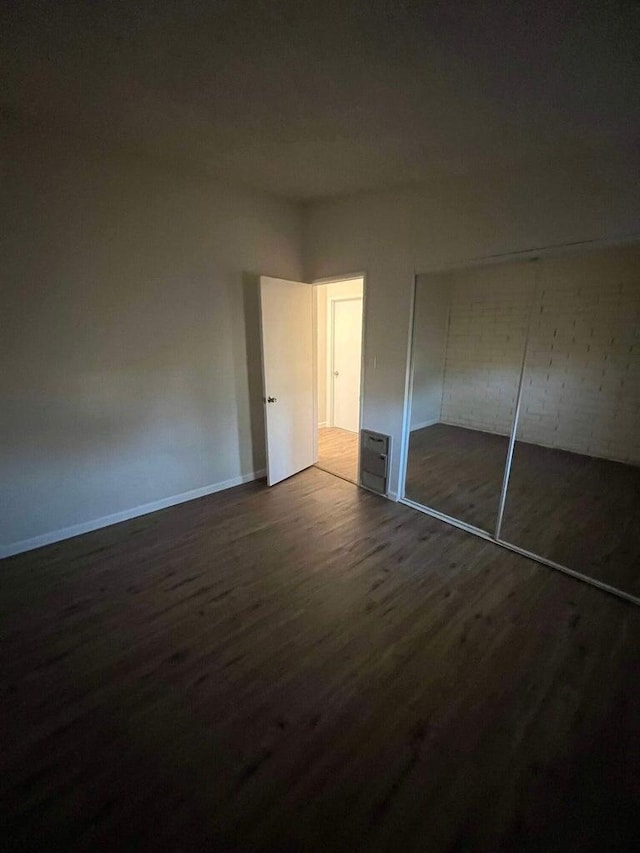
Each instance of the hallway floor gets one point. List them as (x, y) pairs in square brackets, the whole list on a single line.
[(338, 452)]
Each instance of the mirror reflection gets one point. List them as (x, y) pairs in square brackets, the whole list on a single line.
[(469, 334), (574, 484)]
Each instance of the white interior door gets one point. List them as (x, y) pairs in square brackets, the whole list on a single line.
[(346, 336), (288, 376)]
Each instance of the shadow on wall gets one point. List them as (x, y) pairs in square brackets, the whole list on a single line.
[(253, 353)]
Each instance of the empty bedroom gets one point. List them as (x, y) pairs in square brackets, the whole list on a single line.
[(320, 426)]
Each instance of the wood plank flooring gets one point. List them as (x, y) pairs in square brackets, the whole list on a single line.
[(312, 668), (338, 452), (579, 511)]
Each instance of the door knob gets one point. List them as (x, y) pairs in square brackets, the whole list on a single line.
[(336, 373), (271, 400)]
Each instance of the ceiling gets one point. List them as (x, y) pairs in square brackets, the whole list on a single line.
[(314, 99)]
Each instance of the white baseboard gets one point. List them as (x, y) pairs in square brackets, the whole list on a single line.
[(127, 514), (323, 424), (425, 424)]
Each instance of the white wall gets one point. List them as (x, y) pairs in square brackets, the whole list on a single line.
[(430, 330), (391, 236), (129, 331)]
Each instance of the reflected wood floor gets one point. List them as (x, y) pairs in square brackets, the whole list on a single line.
[(338, 452), (457, 471), (311, 667), (579, 511)]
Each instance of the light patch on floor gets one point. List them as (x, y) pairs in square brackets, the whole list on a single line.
[(338, 452)]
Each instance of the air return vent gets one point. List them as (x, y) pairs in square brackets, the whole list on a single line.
[(374, 461)]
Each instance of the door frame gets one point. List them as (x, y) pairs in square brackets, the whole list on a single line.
[(334, 279)]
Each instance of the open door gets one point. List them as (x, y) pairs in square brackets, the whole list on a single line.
[(286, 322)]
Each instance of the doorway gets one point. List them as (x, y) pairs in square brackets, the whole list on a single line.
[(339, 314)]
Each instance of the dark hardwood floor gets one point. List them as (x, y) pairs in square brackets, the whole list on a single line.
[(338, 452), (312, 668), (573, 509)]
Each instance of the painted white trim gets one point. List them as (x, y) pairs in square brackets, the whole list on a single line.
[(424, 424), (328, 364), (408, 396), (322, 424), (363, 368), (127, 514), (516, 412), (332, 279), (314, 359)]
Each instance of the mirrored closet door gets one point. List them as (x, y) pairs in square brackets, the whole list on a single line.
[(469, 336), (574, 484), (553, 344)]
